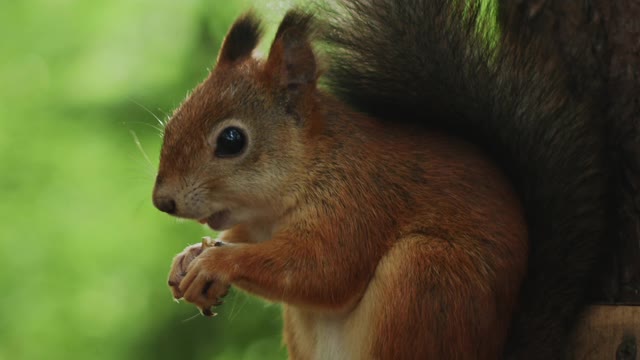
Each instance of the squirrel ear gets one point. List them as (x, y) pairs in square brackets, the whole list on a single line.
[(241, 39), (292, 63)]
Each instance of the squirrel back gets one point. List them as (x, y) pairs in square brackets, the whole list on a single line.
[(443, 65)]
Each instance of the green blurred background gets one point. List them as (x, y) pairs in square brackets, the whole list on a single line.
[(83, 253)]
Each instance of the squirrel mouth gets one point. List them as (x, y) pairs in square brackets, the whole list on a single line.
[(217, 221)]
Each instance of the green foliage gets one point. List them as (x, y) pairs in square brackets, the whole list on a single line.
[(84, 255)]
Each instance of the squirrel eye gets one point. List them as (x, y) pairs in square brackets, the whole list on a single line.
[(230, 142)]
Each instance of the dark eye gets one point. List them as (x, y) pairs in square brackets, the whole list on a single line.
[(230, 142)]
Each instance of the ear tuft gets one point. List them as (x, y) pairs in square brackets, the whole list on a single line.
[(295, 21), (291, 62), (241, 39)]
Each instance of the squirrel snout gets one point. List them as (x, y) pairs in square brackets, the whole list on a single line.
[(165, 204)]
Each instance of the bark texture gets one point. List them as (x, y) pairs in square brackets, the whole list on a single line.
[(599, 42)]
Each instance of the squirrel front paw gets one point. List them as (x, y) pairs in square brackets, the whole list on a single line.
[(186, 264), (181, 262), (179, 267)]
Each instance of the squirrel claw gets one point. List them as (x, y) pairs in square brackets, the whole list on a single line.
[(207, 312)]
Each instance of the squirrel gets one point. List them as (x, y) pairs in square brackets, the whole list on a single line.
[(434, 192)]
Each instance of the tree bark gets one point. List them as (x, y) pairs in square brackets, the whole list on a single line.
[(599, 42)]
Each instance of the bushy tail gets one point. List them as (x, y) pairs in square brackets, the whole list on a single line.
[(439, 64)]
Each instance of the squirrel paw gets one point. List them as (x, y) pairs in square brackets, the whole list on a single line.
[(181, 263), (203, 287)]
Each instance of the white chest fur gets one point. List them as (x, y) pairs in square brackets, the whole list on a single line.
[(319, 336), (330, 339)]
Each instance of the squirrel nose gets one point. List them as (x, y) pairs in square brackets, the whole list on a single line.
[(165, 204)]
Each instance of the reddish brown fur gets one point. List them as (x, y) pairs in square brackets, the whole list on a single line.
[(382, 243)]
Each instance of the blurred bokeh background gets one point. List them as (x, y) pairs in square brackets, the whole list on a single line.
[(83, 253)]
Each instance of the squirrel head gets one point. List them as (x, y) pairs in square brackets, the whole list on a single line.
[(233, 150)]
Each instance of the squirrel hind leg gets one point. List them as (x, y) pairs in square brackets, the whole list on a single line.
[(428, 299)]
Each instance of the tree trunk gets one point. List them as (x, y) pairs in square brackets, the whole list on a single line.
[(599, 42)]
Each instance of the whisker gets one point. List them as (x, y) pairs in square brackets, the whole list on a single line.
[(162, 124), (191, 318), (136, 140), (167, 116), (155, 127)]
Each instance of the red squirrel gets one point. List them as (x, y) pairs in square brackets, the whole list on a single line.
[(440, 196)]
